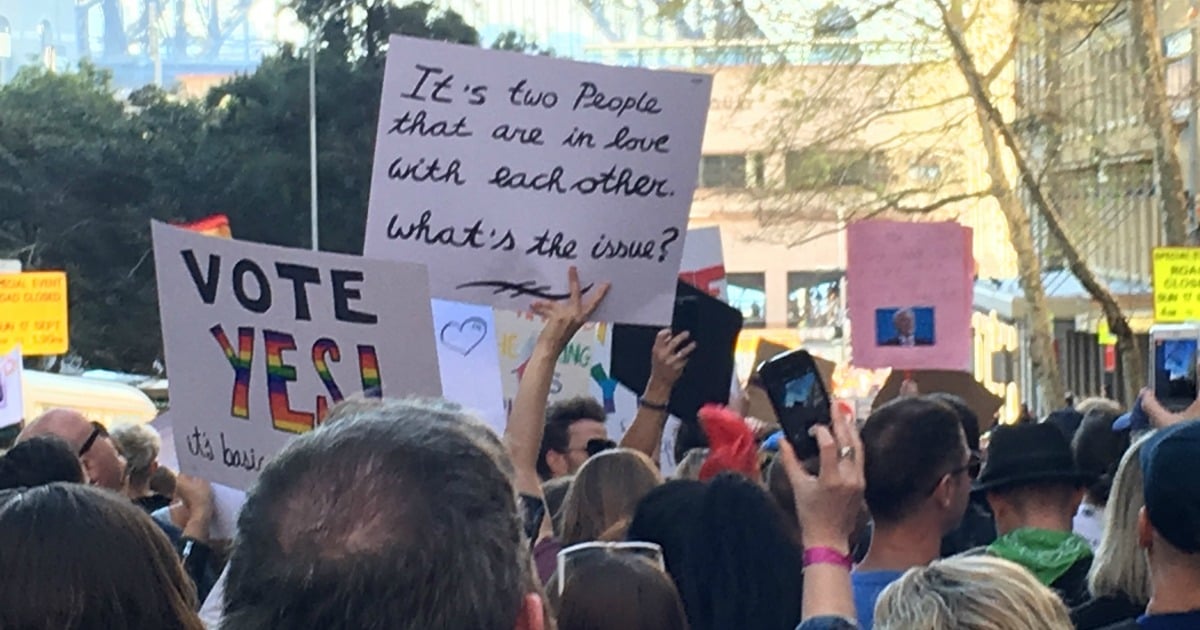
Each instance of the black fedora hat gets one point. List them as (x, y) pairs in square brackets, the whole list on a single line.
[(1028, 453)]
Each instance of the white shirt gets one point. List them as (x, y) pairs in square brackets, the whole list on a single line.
[(1089, 523), (214, 606)]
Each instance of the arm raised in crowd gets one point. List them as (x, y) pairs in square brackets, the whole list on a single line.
[(527, 420), (667, 361), (828, 506)]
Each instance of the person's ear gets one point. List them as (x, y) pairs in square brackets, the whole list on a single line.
[(944, 492), (557, 463), (532, 615), (1145, 531), (88, 474)]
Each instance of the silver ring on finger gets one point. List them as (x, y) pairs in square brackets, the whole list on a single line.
[(846, 452)]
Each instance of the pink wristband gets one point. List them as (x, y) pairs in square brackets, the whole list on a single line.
[(827, 555)]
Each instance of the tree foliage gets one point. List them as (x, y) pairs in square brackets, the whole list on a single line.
[(82, 172)]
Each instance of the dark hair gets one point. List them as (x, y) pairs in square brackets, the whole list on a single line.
[(395, 514), (690, 435), (726, 546), (1098, 450), (968, 418), (617, 591), (559, 418), (910, 443), (39, 461), (76, 557), (163, 482)]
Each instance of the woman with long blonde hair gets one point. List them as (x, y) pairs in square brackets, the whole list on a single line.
[(604, 494)]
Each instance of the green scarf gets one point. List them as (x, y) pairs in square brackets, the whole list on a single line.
[(1046, 554)]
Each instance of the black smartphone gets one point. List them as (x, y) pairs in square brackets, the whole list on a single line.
[(799, 397), (1174, 369), (687, 316)]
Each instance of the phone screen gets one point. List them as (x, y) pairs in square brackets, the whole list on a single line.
[(800, 392), (798, 396), (1175, 371)]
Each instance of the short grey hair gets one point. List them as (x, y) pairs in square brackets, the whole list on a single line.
[(140, 444), (1120, 567), (970, 593), (375, 518)]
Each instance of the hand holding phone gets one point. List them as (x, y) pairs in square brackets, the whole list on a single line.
[(799, 397)]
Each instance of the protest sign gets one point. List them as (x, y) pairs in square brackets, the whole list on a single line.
[(260, 341), (34, 304), (469, 360), (12, 403), (910, 294), (1176, 284), (703, 263), (499, 171)]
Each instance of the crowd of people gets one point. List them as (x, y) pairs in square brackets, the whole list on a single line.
[(412, 514)]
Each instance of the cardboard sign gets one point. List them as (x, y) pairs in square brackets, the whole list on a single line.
[(34, 304), (1176, 284), (703, 263), (910, 295), (499, 171), (12, 403), (469, 360), (260, 341)]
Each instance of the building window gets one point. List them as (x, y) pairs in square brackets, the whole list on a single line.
[(814, 302), (817, 167), (723, 171), (748, 293), (834, 23)]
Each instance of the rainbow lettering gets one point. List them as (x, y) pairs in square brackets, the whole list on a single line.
[(323, 348), (240, 361), (279, 374), (608, 387), (368, 367)]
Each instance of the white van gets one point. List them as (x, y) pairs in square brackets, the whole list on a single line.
[(103, 401)]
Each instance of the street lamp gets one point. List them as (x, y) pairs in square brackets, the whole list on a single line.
[(314, 40)]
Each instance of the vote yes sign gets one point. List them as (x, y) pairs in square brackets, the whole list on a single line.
[(261, 341)]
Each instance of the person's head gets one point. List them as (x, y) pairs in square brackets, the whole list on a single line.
[(970, 593), (397, 514), (1098, 450), (1119, 568), (554, 493), (1169, 524), (918, 466), (1030, 478), (140, 444), (39, 461), (605, 491), (76, 557), (620, 591), (163, 481), (968, 418), (905, 322), (689, 466), (103, 463), (726, 546), (570, 425)]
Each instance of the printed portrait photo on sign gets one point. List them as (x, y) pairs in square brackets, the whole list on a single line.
[(905, 326)]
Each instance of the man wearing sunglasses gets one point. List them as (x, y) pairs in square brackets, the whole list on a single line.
[(104, 465)]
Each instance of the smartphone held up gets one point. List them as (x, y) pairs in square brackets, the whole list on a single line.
[(799, 397)]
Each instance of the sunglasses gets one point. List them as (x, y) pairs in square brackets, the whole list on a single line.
[(98, 431), (574, 556)]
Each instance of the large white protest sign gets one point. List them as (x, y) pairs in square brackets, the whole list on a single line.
[(499, 171), (260, 342), (12, 403), (469, 360)]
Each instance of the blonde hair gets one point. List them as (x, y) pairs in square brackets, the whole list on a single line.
[(606, 490), (970, 593), (1119, 567)]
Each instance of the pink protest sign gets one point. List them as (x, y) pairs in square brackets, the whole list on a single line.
[(910, 294)]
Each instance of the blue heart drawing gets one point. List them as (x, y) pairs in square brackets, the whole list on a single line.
[(463, 337)]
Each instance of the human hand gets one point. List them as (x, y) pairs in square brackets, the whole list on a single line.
[(196, 494), (564, 318), (670, 356), (828, 504), (1160, 416)]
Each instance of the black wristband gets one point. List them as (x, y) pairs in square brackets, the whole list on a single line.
[(642, 402)]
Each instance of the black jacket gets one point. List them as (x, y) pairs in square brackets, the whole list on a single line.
[(1072, 586), (1104, 611)]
